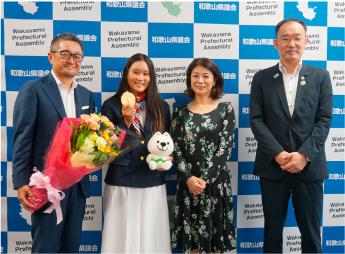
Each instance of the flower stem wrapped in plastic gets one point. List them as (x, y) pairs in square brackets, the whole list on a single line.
[(78, 147)]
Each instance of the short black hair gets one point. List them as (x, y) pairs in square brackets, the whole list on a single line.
[(290, 20), (65, 37), (207, 63)]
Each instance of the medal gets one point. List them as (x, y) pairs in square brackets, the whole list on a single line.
[(127, 98)]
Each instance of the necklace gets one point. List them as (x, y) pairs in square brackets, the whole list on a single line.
[(202, 108)]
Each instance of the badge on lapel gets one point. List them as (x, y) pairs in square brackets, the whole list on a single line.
[(303, 83)]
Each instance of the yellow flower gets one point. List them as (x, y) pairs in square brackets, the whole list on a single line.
[(115, 153), (106, 135), (93, 137), (105, 149), (101, 142), (95, 117), (106, 122)]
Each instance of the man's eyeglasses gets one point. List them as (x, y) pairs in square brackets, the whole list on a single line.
[(67, 55), (296, 40)]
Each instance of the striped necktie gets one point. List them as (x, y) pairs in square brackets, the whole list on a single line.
[(136, 123), (139, 105)]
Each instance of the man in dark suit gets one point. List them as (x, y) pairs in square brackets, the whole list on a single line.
[(40, 105), (290, 116)]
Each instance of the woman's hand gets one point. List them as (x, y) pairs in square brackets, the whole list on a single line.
[(128, 111), (169, 159), (196, 185)]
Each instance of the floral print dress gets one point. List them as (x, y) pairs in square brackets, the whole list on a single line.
[(203, 144)]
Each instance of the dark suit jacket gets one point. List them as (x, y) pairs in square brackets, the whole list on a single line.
[(131, 170), (305, 132), (37, 110)]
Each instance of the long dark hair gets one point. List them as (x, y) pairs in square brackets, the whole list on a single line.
[(154, 102)]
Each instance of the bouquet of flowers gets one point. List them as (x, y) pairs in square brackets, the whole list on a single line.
[(78, 147)]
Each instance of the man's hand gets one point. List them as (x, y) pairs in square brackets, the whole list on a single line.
[(162, 169), (283, 158), (196, 185), (22, 192), (296, 164)]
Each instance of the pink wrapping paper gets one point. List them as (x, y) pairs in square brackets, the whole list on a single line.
[(58, 163)]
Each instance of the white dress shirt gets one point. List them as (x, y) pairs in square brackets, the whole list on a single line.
[(142, 116), (290, 84), (67, 97)]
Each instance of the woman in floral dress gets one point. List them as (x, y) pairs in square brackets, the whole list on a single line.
[(203, 134)]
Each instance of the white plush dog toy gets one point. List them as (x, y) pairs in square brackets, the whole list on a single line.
[(160, 147)]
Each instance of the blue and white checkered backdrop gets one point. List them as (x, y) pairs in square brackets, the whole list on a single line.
[(238, 36)]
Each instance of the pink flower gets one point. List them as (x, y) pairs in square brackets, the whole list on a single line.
[(86, 118), (111, 155), (93, 124), (101, 132), (105, 118), (114, 138), (108, 141), (107, 131), (89, 121)]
